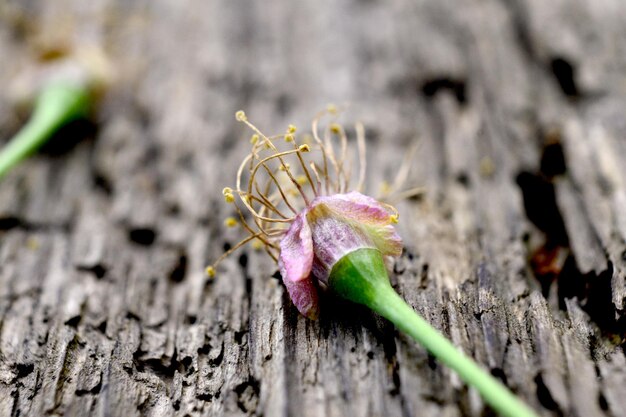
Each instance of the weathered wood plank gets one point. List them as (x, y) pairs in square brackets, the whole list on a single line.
[(516, 251)]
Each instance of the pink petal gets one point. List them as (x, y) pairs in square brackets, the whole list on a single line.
[(371, 216), (333, 237), (296, 259), (296, 250), (357, 206), (303, 294)]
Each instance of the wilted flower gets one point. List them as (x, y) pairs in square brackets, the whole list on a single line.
[(303, 212), (322, 234)]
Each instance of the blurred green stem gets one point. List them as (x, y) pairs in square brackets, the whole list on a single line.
[(57, 105)]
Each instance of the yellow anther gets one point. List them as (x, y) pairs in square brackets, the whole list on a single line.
[(304, 148), (257, 244), (230, 222), (227, 190), (335, 128), (385, 188), (210, 271), (254, 139), (301, 179), (394, 218), (331, 108), (289, 137), (32, 243), (241, 116), (284, 167), (229, 198), (486, 166), (291, 129), (292, 192)]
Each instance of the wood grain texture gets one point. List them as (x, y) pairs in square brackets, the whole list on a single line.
[(516, 252)]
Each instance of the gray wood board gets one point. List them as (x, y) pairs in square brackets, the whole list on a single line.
[(516, 251)]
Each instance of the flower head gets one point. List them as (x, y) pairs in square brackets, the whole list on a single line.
[(306, 213), (322, 232)]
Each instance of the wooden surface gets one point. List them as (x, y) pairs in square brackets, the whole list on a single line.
[(516, 252)]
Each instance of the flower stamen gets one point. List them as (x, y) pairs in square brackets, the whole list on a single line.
[(268, 195), (331, 157), (248, 228), (321, 145), (278, 187), (250, 158), (230, 222), (306, 148), (403, 172), (229, 198), (267, 202), (279, 155), (360, 140), (241, 116), (210, 270), (412, 192), (261, 217)]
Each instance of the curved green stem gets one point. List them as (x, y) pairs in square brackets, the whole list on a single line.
[(361, 277), (57, 105)]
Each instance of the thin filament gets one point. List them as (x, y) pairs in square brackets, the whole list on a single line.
[(360, 138)]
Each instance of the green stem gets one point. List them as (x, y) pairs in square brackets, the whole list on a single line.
[(57, 105), (361, 276)]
